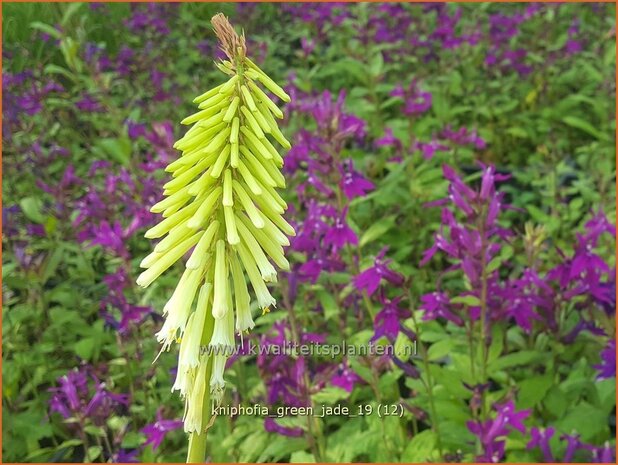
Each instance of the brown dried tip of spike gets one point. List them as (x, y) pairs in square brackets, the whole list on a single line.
[(230, 42)]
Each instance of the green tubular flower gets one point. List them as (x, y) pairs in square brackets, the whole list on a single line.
[(222, 202)]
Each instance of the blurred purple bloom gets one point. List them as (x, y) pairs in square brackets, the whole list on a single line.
[(429, 149), (388, 320), (307, 45), (89, 104), (463, 136), (115, 299), (110, 237), (272, 426), (353, 184), (388, 140), (345, 378), (492, 433), (607, 367), (416, 101), (103, 402), (340, 233), (67, 398), (155, 432), (125, 456), (135, 130), (573, 445), (72, 398), (540, 438), (437, 305), (369, 279)]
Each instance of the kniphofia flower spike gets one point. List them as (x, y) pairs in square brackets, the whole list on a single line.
[(222, 202)]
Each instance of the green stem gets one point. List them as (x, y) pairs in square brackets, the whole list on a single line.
[(429, 384), (197, 448), (197, 442), (483, 329), (315, 438)]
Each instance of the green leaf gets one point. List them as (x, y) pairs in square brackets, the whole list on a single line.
[(377, 230), (132, 440), (329, 304), (51, 264), (585, 126), (494, 264), (469, 300), (556, 402), (55, 69), (420, 448), (533, 390), (32, 206), (93, 453), (376, 65), (524, 357), (440, 349), (119, 149), (85, 348), (69, 12), (280, 447), (587, 420), (497, 343), (46, 28), (302, 457), (330, 395)]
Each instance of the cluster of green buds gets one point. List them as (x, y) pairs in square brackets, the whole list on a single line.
[(223, 203)]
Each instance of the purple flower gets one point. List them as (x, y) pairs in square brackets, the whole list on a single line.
[(67, 398), (604, 454), (540, 438), (135, 130), (572, 47), (429, 149), (492, 433), (272, 426), (150, 18), (463, 136), (388, 320), (110, 237), (131, 314), (437, 305), (369, 280), (388, 140), (155, 432), (72, 398), (89, 104), (416, 102), (573, 445), (340, 233), (353, 184), (307, 45), (104, 401), (345, 378), (607, 367), (125, 456)]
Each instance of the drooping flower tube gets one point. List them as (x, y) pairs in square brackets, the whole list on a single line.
[(222, 203)]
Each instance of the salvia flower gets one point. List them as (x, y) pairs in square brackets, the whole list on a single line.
[(492, 433), (540, 438), (369, 279), (155, 432), (416, 101), (607, 367), (222, 203)]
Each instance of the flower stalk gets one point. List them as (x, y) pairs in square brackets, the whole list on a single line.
[(222, 203)]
